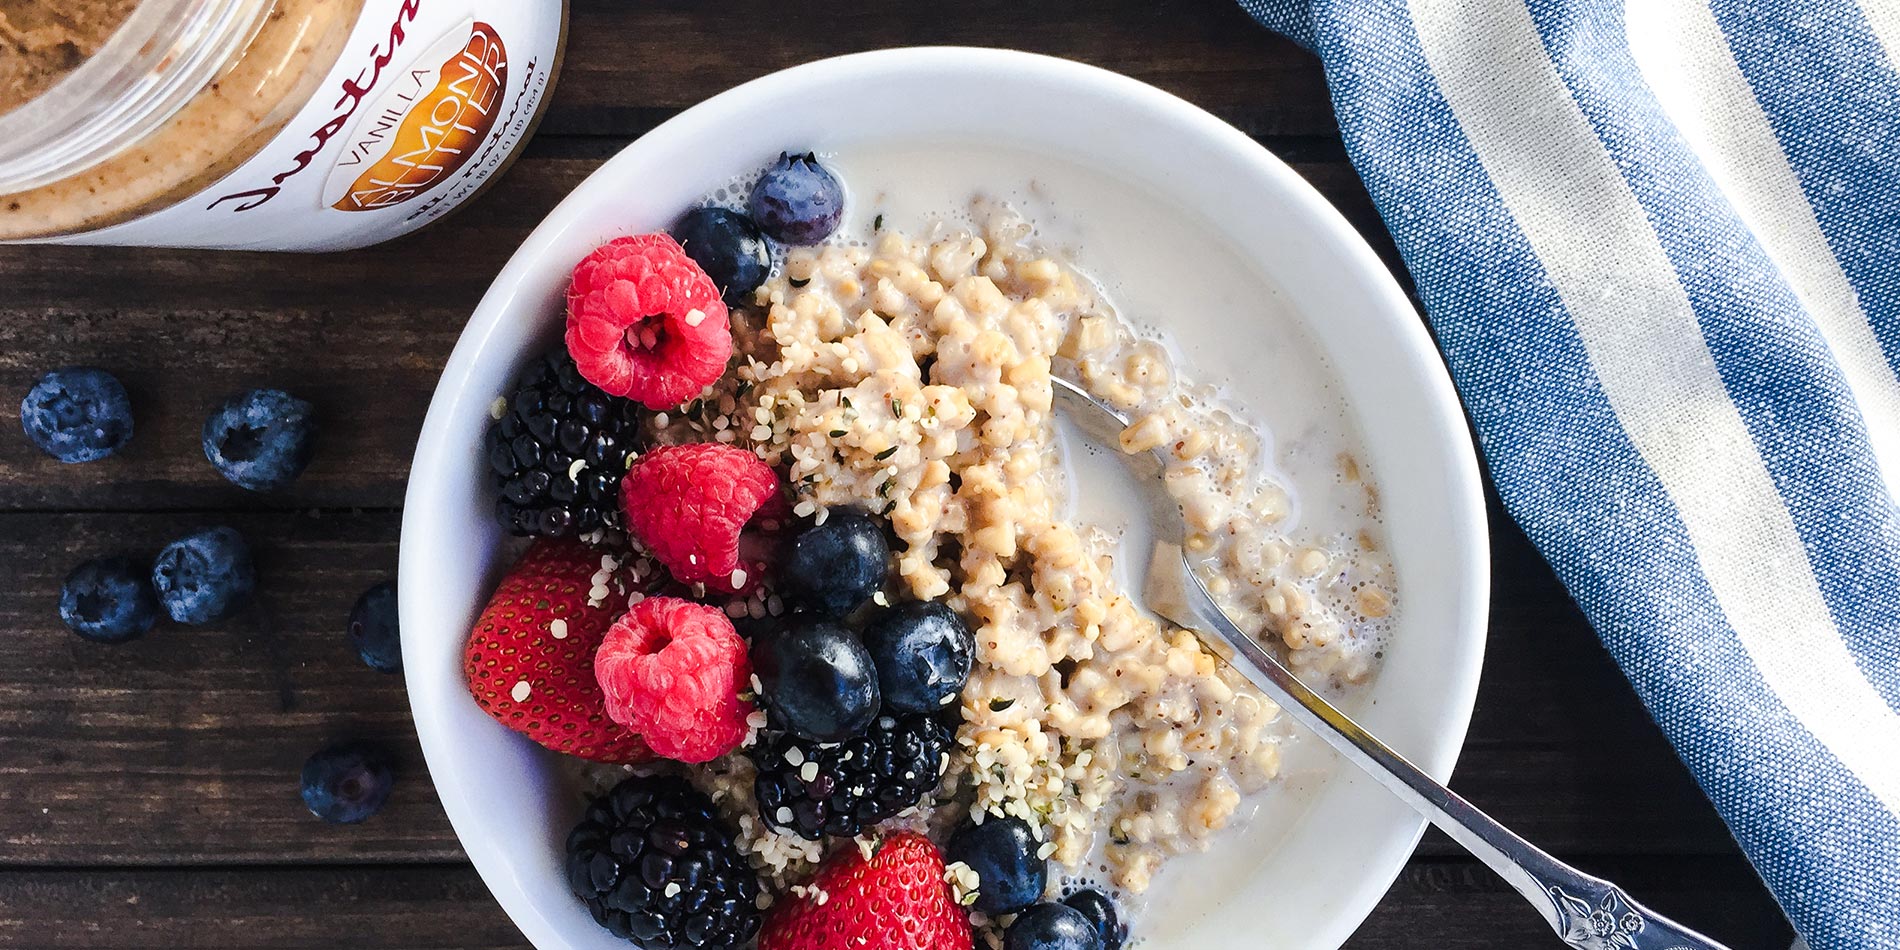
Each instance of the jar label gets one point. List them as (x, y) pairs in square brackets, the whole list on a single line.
[(427, 125), (427, 100)]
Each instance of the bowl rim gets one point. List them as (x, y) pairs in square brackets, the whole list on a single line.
[(1358, 263)]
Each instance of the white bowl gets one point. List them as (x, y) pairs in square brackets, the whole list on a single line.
[(1300, 876)]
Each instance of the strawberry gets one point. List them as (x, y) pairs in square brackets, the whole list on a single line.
[(540, 684), (895, 900)]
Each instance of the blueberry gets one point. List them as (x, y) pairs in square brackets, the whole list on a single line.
[(833, 568), (260, 440), (818, 680), (204, 577), (797, 201), (923, 654), (1052, 927), (109, 600), (728, 247), (347, 782), (77, 414), (373, 628), (1003, 853), (1100, 911)]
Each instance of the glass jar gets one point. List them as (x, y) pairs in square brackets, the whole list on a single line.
[(265, 124)]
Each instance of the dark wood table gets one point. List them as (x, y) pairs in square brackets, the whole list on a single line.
[(148, 792)]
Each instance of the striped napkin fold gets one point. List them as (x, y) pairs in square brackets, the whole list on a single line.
[(1659, 242)]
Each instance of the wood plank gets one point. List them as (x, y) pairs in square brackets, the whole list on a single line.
[(184, 746), (1445, 905), (625, 60), (421, 908), (1461, 905), (363, 335)]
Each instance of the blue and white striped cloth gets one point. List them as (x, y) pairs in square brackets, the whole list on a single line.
[(1659, 242)]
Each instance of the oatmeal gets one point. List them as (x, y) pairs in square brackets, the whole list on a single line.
[(912, 377)]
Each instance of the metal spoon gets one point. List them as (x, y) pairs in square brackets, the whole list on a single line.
[(1587, 912)]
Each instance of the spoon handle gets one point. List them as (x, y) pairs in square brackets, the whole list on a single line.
[(1587, 912)]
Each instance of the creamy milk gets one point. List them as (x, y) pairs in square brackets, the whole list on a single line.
[(1187, 286)]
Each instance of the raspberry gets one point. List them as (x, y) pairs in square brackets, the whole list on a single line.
[(672, 671), (645, 322), (688, 505)]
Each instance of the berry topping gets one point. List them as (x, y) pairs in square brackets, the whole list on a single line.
[(833, 568), (260, 440), (1100, 911), (813, 789), (653, 866), (559, 451), (77, 414), (729, 247), (818, 681), (797, 201), (1005, 854), (672, 671), (530, 659), (347, 782), (923, 654), (109, 600), (374, 630), (895, 899), (1052, 927), (643, 321), (688, 505), (204, 577)]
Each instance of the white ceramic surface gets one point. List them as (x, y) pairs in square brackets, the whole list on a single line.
[(1309, 877)]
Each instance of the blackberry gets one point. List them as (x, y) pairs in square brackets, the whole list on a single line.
[(653, 866), (814, 789), (559, 452)]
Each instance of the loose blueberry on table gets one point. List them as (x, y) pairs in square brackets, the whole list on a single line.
[(109, 600), (262, 439), (77, 414), (204, 577), (347, 782), (374, 629)]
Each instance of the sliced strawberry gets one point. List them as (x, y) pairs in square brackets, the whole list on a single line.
[(895, 900), (530, 659)]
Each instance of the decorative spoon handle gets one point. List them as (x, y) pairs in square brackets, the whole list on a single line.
[(1587, 912)]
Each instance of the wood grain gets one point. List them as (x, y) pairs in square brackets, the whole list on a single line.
[(625, 60), (184, 746), (363, 335), (1444, 905), (148, 792)]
